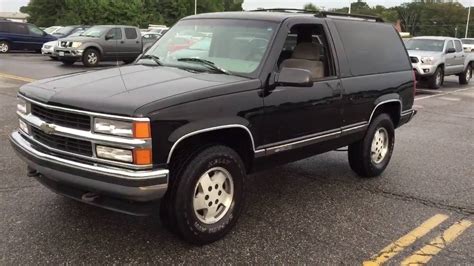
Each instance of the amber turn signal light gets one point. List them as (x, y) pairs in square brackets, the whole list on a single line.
[(142, 156), (141, 130)]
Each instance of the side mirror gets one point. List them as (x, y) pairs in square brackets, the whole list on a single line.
[(294, 77), (109, 37), (450, 50)]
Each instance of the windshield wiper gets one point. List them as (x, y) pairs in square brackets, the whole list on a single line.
[(152, 57), (209, 64)]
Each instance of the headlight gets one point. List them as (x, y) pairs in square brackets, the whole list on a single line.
[(114, 154), (427, 60), (122, 128), (76, 44), (22, 106)]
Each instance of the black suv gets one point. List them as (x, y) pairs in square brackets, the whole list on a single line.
[(186, 123)]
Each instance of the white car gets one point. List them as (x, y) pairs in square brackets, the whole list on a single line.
[(48, 48), (468, 44)]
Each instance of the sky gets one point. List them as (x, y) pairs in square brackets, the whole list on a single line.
[(14, 5)]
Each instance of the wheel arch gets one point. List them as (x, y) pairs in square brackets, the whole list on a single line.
[(392, 105), (95, 47)]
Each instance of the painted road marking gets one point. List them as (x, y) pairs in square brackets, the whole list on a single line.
[(441, 94), (396, 247), (427, 252), (9, 76)]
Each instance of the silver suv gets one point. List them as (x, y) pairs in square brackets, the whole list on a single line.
[(433, 58)]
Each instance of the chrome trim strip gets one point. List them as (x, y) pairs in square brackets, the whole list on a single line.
[(52, 107), (361, 127), (18, 140), (259, 152), (88, 158), (384, 102), (302, 143), (294, 140), (119, 142), (407, 112)]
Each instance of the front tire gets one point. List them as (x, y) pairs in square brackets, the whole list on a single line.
[(207, 195), (436, 81), (68, 62), (4, 47), (90, 57), (370, 156), (465, 76)]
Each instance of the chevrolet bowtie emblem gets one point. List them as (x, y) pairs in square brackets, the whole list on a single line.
[(48, 128)]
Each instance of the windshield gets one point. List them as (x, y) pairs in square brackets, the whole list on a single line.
[(425, 45), (77, 33), (52, 29), (236, 46), (95, 31), (64, 31), (467, 41)]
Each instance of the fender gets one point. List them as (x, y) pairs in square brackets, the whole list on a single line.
[(93, 45), (387, 98), (201, 127)]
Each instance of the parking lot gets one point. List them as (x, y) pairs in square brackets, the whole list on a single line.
[(315, 211)]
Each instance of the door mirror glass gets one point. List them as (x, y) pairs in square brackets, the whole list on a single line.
[(450, 50), (294, 77)]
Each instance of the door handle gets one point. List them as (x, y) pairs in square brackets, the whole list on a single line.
[(121, 41), (137, 42)]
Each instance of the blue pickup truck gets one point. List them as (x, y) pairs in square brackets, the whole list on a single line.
[(21, 36)]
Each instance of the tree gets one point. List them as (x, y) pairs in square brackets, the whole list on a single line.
[(310, 7)]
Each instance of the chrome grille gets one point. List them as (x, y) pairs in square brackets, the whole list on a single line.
[(66, 119), (76, 146)]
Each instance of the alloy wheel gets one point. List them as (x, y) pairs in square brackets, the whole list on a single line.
[(379, 148)]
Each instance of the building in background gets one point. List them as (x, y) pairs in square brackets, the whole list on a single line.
[(14, 16)]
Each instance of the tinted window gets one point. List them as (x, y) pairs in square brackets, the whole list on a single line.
[(372, 48), (35, 30), (458, 46), (130, 33), (116, 34), (449, 45), (4, 26), (425, 45), (18, 28)]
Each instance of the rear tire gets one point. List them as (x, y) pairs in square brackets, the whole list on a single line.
[(4, 47), (436, 80), (90, 57), (206, 196), (370, 156), (465, 76)]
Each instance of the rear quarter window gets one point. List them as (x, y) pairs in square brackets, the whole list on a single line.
[(372, 48), (3, 27), (131, 33)]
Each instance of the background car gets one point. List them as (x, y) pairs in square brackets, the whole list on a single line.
[(149, 38), (22, 36), (468, 44), (48, 48), (69, 30), (52, 29)]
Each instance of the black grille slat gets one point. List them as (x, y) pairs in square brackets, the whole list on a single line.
[(72, 120), (71, 145)]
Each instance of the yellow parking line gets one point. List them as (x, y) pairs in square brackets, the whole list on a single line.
[(9, 76), (427, 252), (396, 247)]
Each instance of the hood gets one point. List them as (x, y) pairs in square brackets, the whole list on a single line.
[(121, 91), (79, 39), (419, 53)]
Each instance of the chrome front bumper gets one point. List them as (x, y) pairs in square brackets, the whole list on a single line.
[(424, 70), (133, 185)]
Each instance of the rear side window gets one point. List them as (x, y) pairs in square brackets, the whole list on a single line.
[(458, 46), (35, 30), (130, 33), (372, 48), (3, 27), (18, 28)]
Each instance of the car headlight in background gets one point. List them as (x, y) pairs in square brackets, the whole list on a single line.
[(427, 60), (22, 106), (135, 129), (76, 44)]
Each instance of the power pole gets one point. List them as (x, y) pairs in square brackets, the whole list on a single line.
[(195, 7), (468, 17), (350, 4)]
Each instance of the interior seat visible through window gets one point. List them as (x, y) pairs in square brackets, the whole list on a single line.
[(306, 56)]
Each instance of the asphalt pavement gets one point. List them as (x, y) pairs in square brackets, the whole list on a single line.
[(315, 211)]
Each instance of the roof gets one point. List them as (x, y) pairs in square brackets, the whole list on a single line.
[(257, 15), (13, 15), (441, 38)]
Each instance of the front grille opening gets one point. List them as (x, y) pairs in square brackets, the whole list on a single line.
[(414, 59), (76, 146), (66, 119)]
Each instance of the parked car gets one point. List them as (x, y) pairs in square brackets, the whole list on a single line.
[(52, 29), (160, 31), (188, 130), (468, 44), (21, 36), (69, 30), (149, 39), (101, 43), (48, 48), (433, 58)]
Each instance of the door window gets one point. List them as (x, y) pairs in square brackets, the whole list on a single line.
[(18, 28), (458, 46), (130, 33), (306, 47), (115, 33), (35, 30), (449, 45), (4, 26)]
